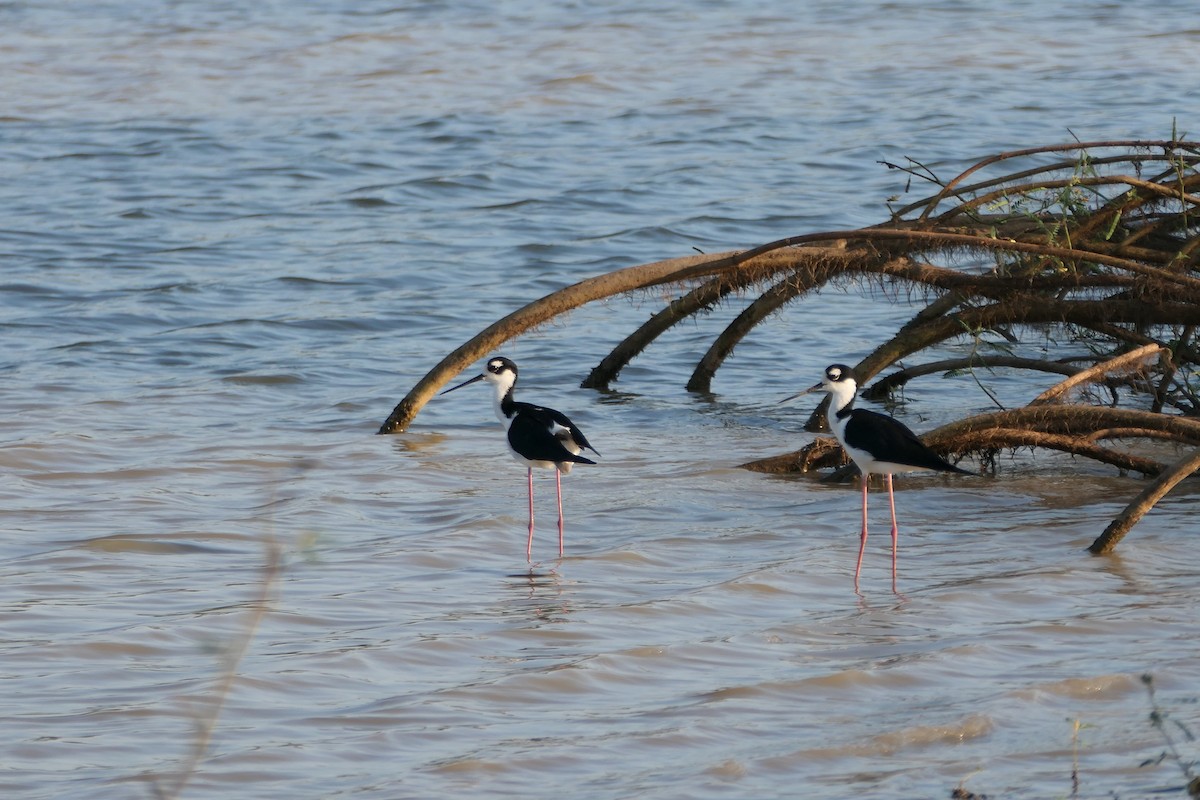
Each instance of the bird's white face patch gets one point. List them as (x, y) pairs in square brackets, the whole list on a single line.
[(495, 365), (834, 373)]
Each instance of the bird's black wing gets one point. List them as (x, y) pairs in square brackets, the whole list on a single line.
[(559, 418), (889, 439), (530, 435)]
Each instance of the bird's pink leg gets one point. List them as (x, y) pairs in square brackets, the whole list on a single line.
[(862, 545), (558, 480), (529, 544), (895, 530)]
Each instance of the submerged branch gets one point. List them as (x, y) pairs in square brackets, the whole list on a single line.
[(1146, 500)]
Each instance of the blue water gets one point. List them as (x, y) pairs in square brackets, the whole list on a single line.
[(234, 235)]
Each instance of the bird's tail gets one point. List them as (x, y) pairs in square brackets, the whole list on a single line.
[(565, 465)]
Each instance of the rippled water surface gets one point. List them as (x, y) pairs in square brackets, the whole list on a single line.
[(234, 235)]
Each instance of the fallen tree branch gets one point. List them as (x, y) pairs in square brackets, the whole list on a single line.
[(1099, 249), (1146, 500), (1125, 361), (884, 387)]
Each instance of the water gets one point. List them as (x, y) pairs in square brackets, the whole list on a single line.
[(234, 235)]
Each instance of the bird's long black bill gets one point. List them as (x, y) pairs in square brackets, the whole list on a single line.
[(809, 390), (464, 383)]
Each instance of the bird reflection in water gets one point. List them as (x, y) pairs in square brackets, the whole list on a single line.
[(542, 595)]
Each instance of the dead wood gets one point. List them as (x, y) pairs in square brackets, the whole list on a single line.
[(675, 270), (821, 453), (1146, 499), (1125, 361), (1094, 244), (885, 387), (824, 452), (703, 297)]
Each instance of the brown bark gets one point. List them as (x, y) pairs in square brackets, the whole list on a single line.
[(1146, 500), (676, 270)]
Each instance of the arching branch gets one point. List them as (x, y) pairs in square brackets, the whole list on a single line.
[(675, 270), (1146, 500), (885, 387), (1129, 360), (702, 297), (797, 283)]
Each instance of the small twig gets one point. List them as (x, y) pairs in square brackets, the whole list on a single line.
[(1158, 718), (206, 718), (976, 338), (1076, 726), (1160, 394)]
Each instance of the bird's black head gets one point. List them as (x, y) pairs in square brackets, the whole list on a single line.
[(838, 381), (499, 371), (837, 373), (498, 365)]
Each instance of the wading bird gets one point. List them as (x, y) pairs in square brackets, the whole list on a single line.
[(537, 436), (876, 443)]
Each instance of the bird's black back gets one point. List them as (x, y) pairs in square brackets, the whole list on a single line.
[(530, 436), (888, 439)]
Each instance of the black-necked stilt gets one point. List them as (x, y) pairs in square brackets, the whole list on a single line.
[(537, 436), (876, 443)]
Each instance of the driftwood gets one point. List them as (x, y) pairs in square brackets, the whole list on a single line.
[(1084, 243)]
